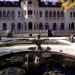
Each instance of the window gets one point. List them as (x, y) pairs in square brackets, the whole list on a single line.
[(58, 13), (46, 26), (54, 26), (46, 14), (4, 13), (30, 25), (4, 26), (19, 26), (40, 13), (73, 14), (0, 13), (69, 26), (8, 13), (62, 14), (70, 14), (62, 26), (54, 13), (29, 2), (40, 26), (72, 26), (50, 14), (19, 14), (29, 12), (12, 14), (12, 26)]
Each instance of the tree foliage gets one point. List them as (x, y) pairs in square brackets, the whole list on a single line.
[(68, 4)]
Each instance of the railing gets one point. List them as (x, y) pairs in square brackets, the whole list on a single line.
[(64, 32), (41, 32), (31, 31)]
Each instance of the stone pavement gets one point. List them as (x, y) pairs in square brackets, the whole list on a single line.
[(68, 49)]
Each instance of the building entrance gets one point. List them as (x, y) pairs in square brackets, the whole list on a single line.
[(30, 25)]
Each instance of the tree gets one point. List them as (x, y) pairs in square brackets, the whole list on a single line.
[(68, 4)]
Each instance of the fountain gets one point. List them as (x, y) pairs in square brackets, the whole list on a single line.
[(38, 42)]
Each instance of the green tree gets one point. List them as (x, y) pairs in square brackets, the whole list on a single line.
[(68, 4)]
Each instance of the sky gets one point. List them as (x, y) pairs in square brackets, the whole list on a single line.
[(44, 0), (9, 0)]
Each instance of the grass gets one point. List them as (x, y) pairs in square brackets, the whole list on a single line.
[(28, 42)]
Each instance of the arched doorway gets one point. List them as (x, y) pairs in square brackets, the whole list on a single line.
[(12, 27), (72, 26), (30, 25), (40, 26), (4, 26), (54, 26), (46, 26), (19, 26), (62, 26)]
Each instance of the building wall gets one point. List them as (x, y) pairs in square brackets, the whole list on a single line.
[(31, 15)]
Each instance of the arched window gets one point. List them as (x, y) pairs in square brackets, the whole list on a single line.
[(8, 13), (12, 26), (72, 26), (69, 26), (58, 13), (29, 2), (30, 12), (19, 13), (40, 26), (62, 26), (46, 14), (73, 14), (30, 25), (62, 14), (70, 14), (54, 13), (19, 26), (4, 26), (0, 13), (46, 26), (12, 13), (50, 14), (40, 13), (54, 26), (4, 13)]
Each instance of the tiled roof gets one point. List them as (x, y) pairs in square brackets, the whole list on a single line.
[(9, 4), (49, 4)]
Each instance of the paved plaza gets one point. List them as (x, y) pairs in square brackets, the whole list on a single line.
[(68, 49)]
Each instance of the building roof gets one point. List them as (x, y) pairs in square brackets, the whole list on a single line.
[(40, 3), (9, 4), (49, 4)]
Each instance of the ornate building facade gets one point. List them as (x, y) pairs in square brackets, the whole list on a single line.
[(33, 17)]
